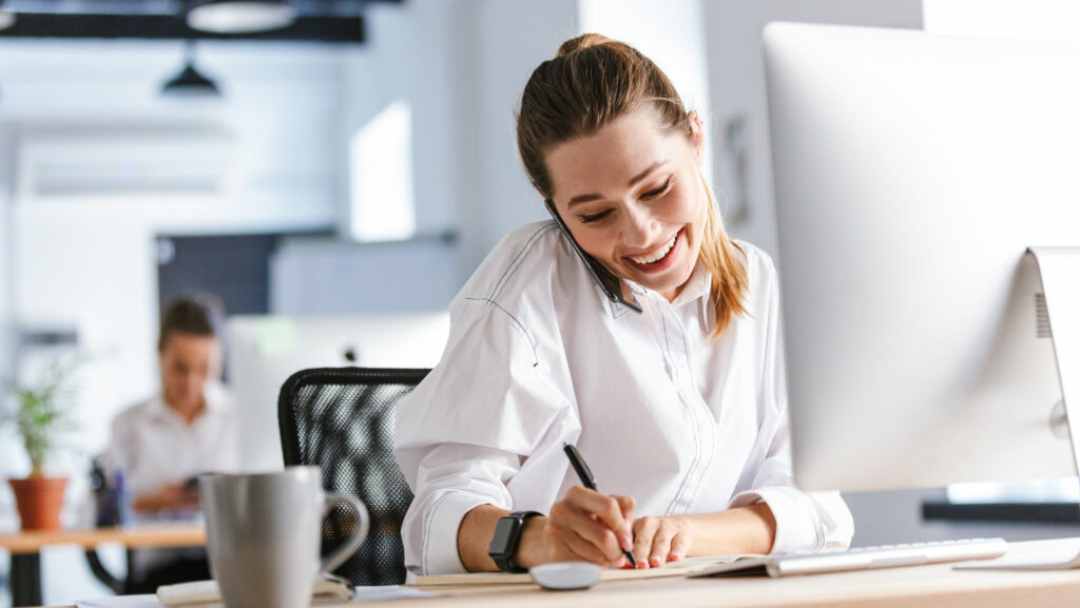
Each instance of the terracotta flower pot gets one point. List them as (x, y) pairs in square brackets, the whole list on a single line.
[(39, 500)]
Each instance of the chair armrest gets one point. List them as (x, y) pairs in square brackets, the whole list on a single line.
[(102, 573)]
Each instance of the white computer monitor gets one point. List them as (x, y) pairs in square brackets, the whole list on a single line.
[(263, 351), (912, 172)]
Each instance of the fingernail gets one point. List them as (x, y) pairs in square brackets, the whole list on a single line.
[(655, 561)]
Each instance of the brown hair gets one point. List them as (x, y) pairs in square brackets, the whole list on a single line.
[(590, 82), (186, 315)]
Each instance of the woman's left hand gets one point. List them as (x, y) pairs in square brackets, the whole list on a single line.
[(658, 540)]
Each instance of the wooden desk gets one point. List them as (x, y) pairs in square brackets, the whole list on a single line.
[(25, 548), (186, 535), (937, 585)]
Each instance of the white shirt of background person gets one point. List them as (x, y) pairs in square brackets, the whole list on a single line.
[(680, 411), (187, 429)]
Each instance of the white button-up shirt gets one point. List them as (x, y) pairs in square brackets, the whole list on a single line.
[(153, 445), (537, 356)]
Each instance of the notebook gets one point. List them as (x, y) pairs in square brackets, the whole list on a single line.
[(679, 568)]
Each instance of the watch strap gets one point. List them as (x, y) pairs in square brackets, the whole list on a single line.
[(505, 561)]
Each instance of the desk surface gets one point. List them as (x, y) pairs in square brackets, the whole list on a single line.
[(936, 585), (141, 536)]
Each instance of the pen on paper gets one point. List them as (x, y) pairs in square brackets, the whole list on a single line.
[(584, 473)]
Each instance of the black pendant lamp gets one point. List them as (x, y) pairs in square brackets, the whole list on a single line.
[(189, 83), (239, 16)]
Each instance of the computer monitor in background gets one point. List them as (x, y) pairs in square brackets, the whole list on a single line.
[(263, 351), (912, 172)]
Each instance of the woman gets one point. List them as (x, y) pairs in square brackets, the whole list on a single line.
[(162, 443), (679, 409)]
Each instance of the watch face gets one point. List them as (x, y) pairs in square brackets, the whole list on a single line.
[(504, 533)]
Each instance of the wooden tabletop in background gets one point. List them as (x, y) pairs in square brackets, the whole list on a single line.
[(141, 536)]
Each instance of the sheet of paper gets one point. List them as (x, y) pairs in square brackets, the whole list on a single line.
[(121, 601), (387, 592), (679, 568)]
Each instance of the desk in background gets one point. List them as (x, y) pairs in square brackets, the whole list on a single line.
[(25, 549)]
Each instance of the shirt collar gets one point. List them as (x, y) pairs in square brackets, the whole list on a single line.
[(697, 286), (213, 395)]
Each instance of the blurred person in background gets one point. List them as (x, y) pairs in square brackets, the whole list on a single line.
[(160, 445)]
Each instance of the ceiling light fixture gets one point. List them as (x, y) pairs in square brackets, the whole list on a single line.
[(7, 19), (240, 16), (188, 82)]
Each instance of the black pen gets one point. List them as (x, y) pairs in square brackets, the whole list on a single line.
[(585, 475)]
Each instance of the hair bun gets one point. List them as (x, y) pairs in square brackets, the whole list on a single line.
[(583, 41)]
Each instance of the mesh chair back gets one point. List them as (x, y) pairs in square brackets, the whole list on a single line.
[(342, 420)]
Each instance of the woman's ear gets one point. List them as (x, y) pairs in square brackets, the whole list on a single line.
[(697, 134)]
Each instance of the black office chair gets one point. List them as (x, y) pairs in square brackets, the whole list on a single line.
[(341, 420), (178, 569)]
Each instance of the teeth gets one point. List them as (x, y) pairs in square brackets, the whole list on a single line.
[(659, 255)]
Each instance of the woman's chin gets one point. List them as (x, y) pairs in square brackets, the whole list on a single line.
[(669, 285)]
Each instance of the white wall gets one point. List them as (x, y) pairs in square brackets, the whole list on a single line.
[(414, 56), (737, 83), (411, 56), (9, 449), (461, 67), (672, 35), (508, 40), (1055, 20), (6, 269)]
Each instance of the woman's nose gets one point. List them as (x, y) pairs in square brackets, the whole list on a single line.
[(638, 227)]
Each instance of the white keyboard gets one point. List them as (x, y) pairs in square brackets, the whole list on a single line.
[(863, 558)]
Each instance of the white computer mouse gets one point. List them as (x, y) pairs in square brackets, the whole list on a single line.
[(566, 575)]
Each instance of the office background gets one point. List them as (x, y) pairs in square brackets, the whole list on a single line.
[(377, 174)]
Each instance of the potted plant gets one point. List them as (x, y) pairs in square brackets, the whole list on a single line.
[(40, 416)]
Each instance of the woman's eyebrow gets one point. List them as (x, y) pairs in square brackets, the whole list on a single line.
[(585, 198)]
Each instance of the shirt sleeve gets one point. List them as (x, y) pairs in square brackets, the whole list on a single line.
[(489, 413), (804, 521)]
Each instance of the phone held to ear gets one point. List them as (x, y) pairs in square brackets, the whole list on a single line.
[(609, 283)]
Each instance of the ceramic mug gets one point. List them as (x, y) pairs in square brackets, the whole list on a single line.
[(264, 531)]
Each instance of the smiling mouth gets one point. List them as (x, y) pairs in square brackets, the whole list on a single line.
[(659, 259)]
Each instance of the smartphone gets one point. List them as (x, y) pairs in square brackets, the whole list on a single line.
[(608, 282)]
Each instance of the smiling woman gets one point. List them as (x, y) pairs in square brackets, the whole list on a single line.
[(681, 410)]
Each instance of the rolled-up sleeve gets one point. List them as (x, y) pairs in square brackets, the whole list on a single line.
[(805, 521), (482, 419)]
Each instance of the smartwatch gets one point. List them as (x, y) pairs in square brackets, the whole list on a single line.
[(507, 537)]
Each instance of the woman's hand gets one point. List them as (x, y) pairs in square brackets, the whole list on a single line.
[(586, 526), (169, 496), (658, 540)]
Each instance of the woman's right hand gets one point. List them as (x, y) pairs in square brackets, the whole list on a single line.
[(168, 496), (584, 526)]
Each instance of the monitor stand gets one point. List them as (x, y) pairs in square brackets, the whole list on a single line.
[(1059, 270)]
